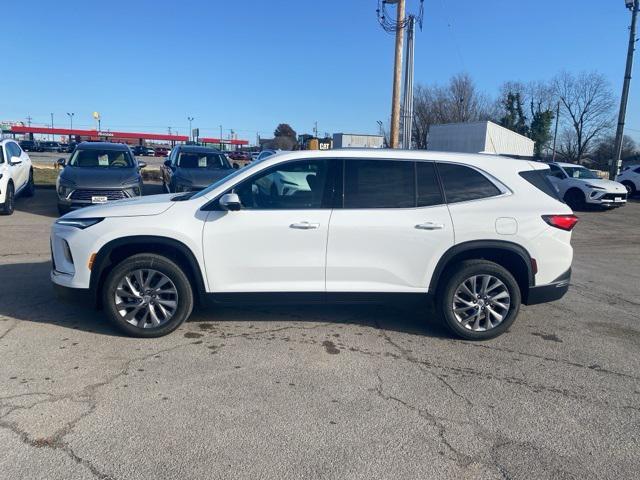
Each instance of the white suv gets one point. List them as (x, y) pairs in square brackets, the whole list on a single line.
[(579, 187), (630, 178), (479, 234), (16, 175)]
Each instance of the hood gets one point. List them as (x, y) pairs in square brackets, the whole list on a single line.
[(100, 177), (202, 177), (130, 207), (608, 185)]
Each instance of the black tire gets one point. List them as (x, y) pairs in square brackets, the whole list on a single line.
[(166, 267), (63, 209), (631, 188), (455, 277), (7, 207), (30, 189), (575, 199)]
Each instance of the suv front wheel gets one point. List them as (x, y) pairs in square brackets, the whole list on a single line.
[(147, 295), (479, 300)]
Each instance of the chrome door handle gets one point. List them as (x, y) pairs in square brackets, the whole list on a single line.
[(304, 226), (430, 226)]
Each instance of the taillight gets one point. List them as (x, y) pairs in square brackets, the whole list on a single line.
[(563, 222)]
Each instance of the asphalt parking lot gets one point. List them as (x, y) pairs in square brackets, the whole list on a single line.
[(318, 391)]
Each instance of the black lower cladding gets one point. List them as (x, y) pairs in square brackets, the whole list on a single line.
[(550, 292)]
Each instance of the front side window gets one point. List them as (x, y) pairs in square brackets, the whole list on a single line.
[(581, 173), (12, 150), (293, 185), (211, 161), (556, 172), (101, 159), (379, 184), (462, 184)]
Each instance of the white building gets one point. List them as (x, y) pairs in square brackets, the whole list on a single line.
[(478, 137), (350, 140)]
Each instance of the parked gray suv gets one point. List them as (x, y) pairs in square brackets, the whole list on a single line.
[(98, 172)]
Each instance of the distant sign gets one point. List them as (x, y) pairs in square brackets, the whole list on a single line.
[(105, 134)]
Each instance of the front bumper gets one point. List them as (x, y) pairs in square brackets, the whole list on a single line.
[(550, 292), (605, 199)]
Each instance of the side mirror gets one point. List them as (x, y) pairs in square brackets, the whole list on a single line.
[(61, 162), (167, 163), (15, 161), (141, 164), (230, 202)]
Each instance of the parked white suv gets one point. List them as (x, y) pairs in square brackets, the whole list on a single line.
[(579, 187), (630, 178), (16, 175), (480, 234)]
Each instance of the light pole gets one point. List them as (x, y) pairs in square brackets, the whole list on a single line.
[(220, 137), (70, 123), (51, 127), (191, 119), (614, 168)]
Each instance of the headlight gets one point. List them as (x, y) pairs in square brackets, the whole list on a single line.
[(80, 223), (65, 187), (594, 187), (183, 185), (133, 190)]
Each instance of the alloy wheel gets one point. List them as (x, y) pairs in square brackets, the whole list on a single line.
[(481, 303), (146, 298)]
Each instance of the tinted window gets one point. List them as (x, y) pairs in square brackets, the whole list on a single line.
[(1, 155), (428, 187), (581, 172), (202, 160), (539, 179), (294, 185), (379, 184), (462, 183), (12, 150), (556, 172), (637, 170)]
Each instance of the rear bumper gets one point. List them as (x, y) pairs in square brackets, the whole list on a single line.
[(550, 292)]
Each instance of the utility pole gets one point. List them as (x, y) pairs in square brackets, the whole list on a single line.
[(555, 133), (29, 120), (51, 136), (315, 129), (397, 77), (407, 100), (614, 168), (220, 137)]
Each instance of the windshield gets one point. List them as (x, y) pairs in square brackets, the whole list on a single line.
[(101, 159), (202, 160), (215, 185), (580, 172)]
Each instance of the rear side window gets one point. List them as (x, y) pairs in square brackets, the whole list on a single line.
[(540, 180), (462, 184), (379, 184), (1, 155), (637, 170), (428, 187)]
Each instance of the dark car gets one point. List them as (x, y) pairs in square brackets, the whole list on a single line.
[(161, 152), (30, 146), (50, 146), (98, 172), (192, 168), (141, 150)]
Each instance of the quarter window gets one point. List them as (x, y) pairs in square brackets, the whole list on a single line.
[(294, 185), (428, 187), (462, 183), (379, 184)]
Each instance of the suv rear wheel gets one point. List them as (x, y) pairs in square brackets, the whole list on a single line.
[(6, 208), (147, 295), (478, 300)]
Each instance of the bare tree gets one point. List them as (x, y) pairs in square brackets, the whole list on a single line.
[(587, 105), (458, 101)]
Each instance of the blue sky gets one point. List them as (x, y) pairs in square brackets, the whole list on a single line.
[(249, 65)]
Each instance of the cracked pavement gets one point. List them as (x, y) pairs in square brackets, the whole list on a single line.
[(354, 392)]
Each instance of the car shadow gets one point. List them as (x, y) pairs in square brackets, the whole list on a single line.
[(41, 305)]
